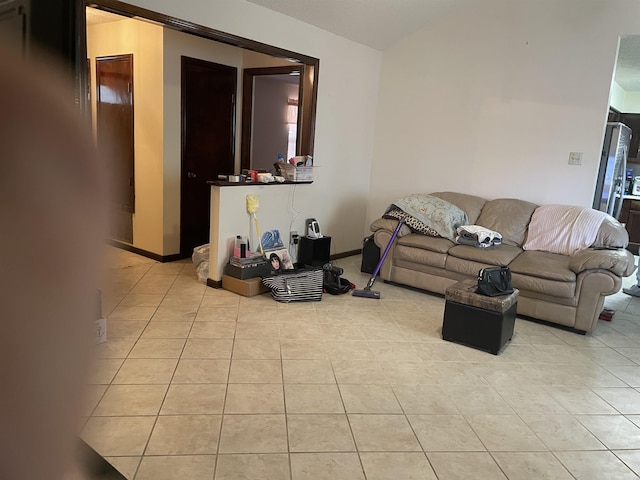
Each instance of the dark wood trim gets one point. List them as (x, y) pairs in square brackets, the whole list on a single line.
[(145, 253), (350, 253), (307, 109), (127, 10), (248, 77), (214, 283), (82, 75), (245, 129)]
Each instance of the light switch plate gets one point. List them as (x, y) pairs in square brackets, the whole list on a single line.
[(575, 158)]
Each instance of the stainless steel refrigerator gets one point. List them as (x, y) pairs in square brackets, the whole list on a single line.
[(611, 175)]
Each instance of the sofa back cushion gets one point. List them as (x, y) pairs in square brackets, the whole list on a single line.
[(470, 204), (509, 217)]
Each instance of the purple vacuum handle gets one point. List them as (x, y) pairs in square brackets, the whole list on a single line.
[(386, 250)]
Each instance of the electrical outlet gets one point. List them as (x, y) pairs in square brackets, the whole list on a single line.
[(293, 238), (575, 158)]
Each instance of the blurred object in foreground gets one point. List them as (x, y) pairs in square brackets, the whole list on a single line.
[(51, 228)]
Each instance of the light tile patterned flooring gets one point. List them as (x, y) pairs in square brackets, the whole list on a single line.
[(196, 383)]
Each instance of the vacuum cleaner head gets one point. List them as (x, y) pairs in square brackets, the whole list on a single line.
[(366, 294)]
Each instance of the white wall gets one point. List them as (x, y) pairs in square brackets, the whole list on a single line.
[(144, 41), (491, 100), (624, 101), (347, 95), (229, 218), (616, 97), (631, 102)]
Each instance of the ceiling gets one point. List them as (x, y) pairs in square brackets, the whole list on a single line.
[(375, 23), (380, 23), (628, 65)]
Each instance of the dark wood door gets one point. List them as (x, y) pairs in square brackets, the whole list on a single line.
[(208, 140), (114, 113)]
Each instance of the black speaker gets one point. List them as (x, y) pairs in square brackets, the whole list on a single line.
[(314, 251)]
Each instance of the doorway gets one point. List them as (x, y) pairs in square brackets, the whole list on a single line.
[(115, 135), (208, 143)]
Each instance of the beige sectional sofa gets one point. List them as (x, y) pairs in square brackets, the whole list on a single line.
[(562, 289)]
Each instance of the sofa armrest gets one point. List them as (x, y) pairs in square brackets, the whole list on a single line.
[(620, 262), (389, 225)]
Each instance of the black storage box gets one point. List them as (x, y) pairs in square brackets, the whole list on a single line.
[(482, 322), (370, 255), (262, 269), (314, 251)]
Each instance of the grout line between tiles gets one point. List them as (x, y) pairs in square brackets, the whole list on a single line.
[(224, 402), (164, 398)]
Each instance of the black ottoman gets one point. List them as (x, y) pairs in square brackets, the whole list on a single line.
[(476, 320)]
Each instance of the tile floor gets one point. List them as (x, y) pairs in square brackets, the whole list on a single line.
[(196, 383)]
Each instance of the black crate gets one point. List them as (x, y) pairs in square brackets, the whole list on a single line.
[(314, 251), (476, 327)]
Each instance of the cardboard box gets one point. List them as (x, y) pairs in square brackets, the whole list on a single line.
[(247, 288)]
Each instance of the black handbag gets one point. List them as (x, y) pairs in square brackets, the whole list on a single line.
[(494, 281)]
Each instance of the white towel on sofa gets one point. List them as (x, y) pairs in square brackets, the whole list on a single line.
[(563, 229), (477, 236)]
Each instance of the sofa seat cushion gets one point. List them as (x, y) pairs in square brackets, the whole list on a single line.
[(543, 272), (553, 288), (500, 255), (509, 217), (551, 266), (420, 256), (434, 244)]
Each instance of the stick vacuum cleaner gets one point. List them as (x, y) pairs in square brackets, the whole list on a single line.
[(366, 292)]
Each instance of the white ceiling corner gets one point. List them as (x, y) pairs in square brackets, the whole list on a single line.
[(628, 64)]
